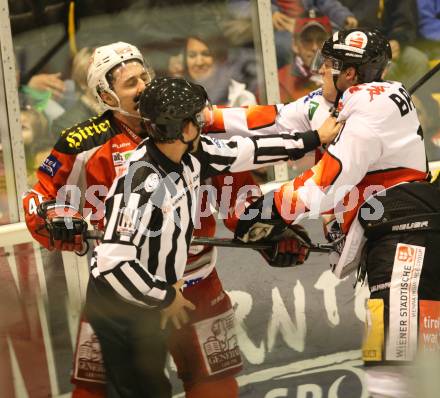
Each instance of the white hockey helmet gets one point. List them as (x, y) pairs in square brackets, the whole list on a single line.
[(104, 59)]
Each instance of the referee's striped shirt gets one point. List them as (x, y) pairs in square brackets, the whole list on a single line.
[(151, 208)]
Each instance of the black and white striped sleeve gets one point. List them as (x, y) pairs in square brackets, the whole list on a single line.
[(248, 153), (132, 213)]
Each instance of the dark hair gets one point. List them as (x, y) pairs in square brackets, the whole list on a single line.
[(109, 75), (213, 39)]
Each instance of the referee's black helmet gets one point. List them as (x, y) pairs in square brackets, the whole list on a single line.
[(168, 104)]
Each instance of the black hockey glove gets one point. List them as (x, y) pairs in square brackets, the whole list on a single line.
[(64, 226), (292, 248), (262, 222)]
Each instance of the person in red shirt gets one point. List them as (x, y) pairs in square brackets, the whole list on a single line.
[(296, 78), (85, 160)]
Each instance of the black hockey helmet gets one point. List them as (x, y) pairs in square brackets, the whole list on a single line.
[(168, 103), (366, 50)]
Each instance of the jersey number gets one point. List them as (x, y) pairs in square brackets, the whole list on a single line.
[(32, 206), (403, 101)]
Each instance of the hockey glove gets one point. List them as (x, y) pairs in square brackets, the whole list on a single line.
[(262, 222), (64, 226), (292, 248)]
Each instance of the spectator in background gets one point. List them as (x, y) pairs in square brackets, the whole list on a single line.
[(204, 63), (85, 106), (37, 143), (398, 21), (51, 82), (296, 79), (41, 92), (340, 16), (429, 26), (175, 65), (429, 19), (238, 29), (284, 13)]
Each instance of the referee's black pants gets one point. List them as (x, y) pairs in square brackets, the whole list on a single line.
[(132, 343)]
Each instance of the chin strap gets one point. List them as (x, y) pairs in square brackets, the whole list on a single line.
[(191, 142), (334, 109), (119, 109)]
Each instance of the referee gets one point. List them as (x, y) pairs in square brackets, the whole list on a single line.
[(137, 269)]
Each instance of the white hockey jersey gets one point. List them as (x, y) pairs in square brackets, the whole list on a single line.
[(307, 113), (380, 145)]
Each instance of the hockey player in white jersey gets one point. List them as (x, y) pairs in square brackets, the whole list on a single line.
[(373, 177)]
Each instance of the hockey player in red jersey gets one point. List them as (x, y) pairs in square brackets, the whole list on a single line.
[(85, 160), (91, 153), (373, 178)]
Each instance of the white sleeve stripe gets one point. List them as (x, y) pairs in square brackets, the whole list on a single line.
[(294, 144), (166, 245), (143, 224), (133, 201), (270, 142), (78, 168), (136, 279), (122, 291), (271, 159), (158, 294), (214, 150), (287, 142), (219, 167), (110, 255), (109, 228)]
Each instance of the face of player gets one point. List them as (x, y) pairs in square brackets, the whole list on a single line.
[(328, 86), (129, 81), (310, 41), (199, 60)]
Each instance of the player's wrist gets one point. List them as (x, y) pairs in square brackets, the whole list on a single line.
[(170, 296)]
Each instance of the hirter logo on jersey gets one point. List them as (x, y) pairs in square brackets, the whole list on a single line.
[(356, 39)]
